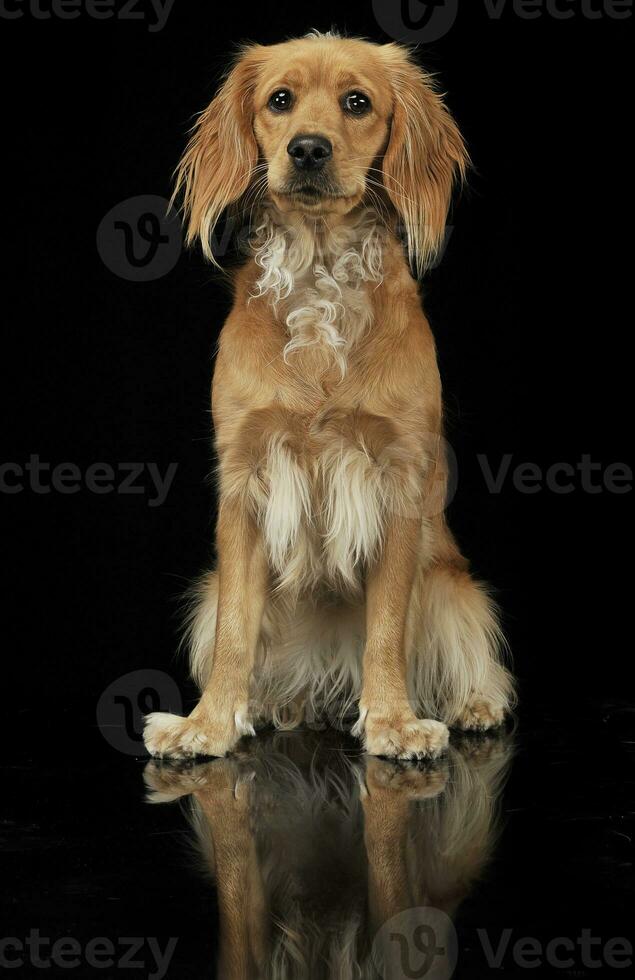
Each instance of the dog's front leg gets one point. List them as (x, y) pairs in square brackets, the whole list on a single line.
[(387, 720), (388, 790), (222, 796), (224, 803), (222, 715)]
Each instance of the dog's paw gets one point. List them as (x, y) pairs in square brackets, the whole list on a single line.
[(480, 715), (484, 748), (403, 780), (166, 783), (171, 736), (402, 735)]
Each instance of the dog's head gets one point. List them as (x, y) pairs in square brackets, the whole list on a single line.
[(320, 125)]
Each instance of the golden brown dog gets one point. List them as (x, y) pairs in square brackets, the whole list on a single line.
[(338, 583)]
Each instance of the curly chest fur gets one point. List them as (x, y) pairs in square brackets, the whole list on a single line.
[(317, 282)]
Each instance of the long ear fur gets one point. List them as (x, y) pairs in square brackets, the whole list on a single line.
[(218, 163), (424, 157)]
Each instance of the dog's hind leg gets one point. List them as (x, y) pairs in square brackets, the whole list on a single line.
[(456, 650)]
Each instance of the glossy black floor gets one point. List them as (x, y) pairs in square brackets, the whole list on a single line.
[(514, 853)]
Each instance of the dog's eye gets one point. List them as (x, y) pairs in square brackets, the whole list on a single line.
[(281, 100), (356, 103)]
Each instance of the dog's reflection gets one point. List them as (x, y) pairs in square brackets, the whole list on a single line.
[(314, 849)]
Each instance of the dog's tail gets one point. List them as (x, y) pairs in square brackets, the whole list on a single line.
[(457, 650), (200, 626)]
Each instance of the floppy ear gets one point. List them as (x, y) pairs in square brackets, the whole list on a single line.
[(424, 157), (217, 166)]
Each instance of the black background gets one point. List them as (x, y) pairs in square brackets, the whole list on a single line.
[(532, 313), (531, 331)]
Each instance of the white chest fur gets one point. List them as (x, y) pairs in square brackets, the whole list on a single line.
[(317, 279)]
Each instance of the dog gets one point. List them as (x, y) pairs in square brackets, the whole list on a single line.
[(327, 863), (339, 590)]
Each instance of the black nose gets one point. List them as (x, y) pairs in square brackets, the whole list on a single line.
[(310, 152)]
